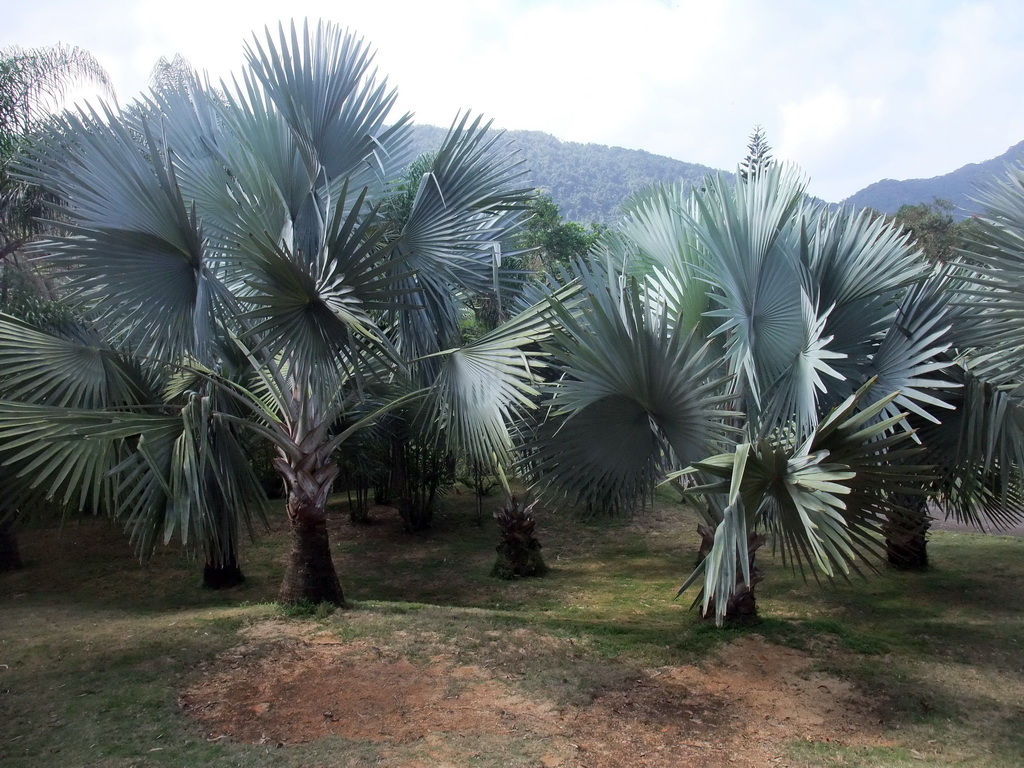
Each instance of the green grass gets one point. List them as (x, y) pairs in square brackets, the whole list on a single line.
[(95, 647)]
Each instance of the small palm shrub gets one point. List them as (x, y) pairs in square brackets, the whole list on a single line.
[(519, 550)]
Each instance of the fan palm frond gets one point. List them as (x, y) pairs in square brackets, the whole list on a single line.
[(452, 238), (633, 396), (823, 499), (485, 387), (60, 369), (323, 84)]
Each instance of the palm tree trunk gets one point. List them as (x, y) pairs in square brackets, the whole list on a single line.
[(906, 533), (10, 557), (310, 575), (224, 572)]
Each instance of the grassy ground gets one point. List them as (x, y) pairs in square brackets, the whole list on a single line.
[(96, 648)]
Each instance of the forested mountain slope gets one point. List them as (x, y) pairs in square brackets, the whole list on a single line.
[(958, 187), (588, 181)]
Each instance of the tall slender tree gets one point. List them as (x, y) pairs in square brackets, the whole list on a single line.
[(33, 82), (758, 158)]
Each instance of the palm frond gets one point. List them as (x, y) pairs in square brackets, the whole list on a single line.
[(858, 266), (69, 452), (657, 228), (186, 479), (977, 451), (128, 217), (822, 499), (82, 372), (36, 81), (912, 357), (314, 309), (452, 238), (632, 396), (485, 387), (993, 271), (321, 82), (770, 317)]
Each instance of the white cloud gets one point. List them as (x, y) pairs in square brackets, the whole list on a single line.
[(814, 122), (852, 90), (813, 128)]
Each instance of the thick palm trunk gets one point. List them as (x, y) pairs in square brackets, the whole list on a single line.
[(10, 557), (906, 533), (310, 575)]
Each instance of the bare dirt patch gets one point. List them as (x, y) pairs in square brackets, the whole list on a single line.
[(288, 685)]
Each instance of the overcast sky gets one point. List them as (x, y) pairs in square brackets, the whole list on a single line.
[(853, 91)]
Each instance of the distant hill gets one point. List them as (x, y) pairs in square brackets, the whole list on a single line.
[(588, 181), (957, 187)]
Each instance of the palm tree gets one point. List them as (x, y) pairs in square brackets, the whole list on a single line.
[(238, 241), (33, 81), (750, 310), (981, 456)]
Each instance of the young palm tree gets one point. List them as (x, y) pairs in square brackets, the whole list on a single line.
[(756, 311), (238, 241)]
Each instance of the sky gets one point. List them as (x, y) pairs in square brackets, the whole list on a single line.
[(852, 91)]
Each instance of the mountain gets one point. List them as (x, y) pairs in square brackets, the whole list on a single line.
[(958, 187), (588, 181)]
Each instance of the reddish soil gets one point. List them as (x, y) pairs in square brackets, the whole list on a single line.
[(287, 685)]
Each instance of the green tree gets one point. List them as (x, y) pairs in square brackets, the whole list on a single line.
[(934, 229), (258, 272), (758, 158), (552, 241)]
